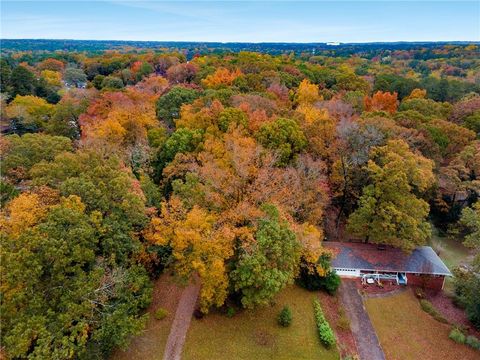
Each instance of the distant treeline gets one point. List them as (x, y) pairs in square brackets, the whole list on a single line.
[(343, 49)]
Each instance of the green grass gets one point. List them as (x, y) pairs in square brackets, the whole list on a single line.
[(257, 335), (451, 251), (406, 332)]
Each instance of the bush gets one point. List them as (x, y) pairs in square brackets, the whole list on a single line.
[(473, 342), (285, 317), (325, 332), (419, 293), (161, 314), (231, 312), (331, 282), (457, 336), (430, 309), (312, 281)]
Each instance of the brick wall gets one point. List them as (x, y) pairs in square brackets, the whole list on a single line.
[(427, 281)]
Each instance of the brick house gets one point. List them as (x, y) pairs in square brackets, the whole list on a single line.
[(421, 267)]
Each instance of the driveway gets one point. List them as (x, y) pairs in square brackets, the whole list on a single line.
[(365, 337), (181, 323)]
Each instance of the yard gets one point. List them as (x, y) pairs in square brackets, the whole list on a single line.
[(451, 251), (150, 345), (406, 332), (256, 334)]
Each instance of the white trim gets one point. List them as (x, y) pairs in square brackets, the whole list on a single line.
[(393, 271)]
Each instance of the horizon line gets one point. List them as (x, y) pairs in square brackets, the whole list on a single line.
[(255, 42)]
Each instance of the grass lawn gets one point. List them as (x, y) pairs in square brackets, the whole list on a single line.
[(150, 345), (451, 251), (256, 335), (407, 332)]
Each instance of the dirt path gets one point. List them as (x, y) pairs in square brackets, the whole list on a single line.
[(181, 323), (365, 337)]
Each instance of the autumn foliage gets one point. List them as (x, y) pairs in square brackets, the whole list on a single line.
[(382, 101), (228, 169)]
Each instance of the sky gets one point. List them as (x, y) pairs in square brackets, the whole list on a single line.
[(243, 21)]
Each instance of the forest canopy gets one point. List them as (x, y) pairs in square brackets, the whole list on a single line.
[(228, 166)]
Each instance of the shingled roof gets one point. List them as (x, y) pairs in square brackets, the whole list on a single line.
[(422, 260)]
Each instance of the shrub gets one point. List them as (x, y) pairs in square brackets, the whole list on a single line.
[(325, 332), (331, 282), (285, 317), (473, 342), (457, 336), (161, 314), (312, 281), (231, 312), (419, 293), (430, 309)]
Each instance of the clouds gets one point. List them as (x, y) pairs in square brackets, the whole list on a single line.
[(242, 21)]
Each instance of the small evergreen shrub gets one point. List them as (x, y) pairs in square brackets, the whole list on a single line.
[(312, 281), (430, 309), (161, 314), (331, 282), (457, 336), (473, 342), (325, 332), (285, 317), (231, 312)]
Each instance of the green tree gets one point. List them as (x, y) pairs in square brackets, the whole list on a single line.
[(470, 220), (267, 265), (22, 152), (168, 106), (104, 185), (284, 136), (5, 76), (472, 122), (467, 282), (181, 141), (97, 81), (75, 77), (389, 211), (29, 113), (394, 83), (57, 296), (112, 82), (64, 121), (144, 70), (427, 107), (22, 81), (232, 116)]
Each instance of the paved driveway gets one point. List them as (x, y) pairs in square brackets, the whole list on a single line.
[(367, 342)]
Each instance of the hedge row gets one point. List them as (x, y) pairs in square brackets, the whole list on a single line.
[(325, 332), (459, 337)]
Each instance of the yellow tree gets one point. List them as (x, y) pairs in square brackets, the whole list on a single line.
[(307, 93), (200, 245), (221, 78), (30, 111), (389, 210)]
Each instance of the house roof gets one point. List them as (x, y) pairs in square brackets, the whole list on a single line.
[(361, 256)]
